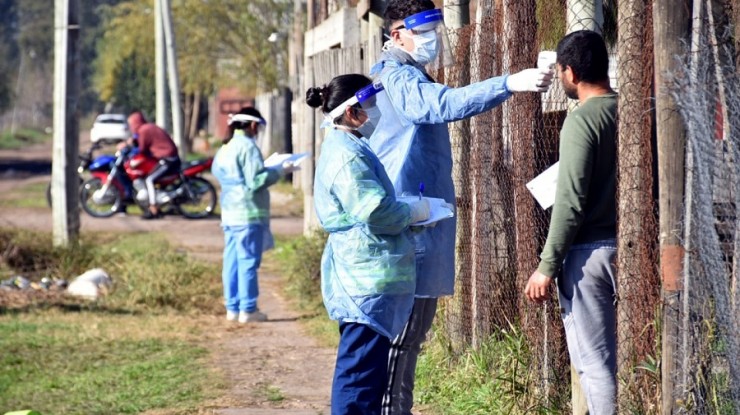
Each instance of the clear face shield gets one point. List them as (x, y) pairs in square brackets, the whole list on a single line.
[(366, 98), (429, 34)]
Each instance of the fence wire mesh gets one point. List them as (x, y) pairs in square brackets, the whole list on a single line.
[(707, 92), (501, 230)]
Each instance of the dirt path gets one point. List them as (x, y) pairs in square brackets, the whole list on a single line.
[(272, 367)]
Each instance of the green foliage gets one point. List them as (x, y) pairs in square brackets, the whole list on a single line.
[(124, 69), (300, 261), (551, 22), (495, 378), (6, 89), (22, 138), (86, 364), (31, 196), (36, 29), (230, 38), (218, 43), (123, 354)]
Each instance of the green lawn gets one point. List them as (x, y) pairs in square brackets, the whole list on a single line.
[(92, 363), (141, 348), (22, 137)]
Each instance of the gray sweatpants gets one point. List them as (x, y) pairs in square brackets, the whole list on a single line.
[(587, 294), (405, 349)]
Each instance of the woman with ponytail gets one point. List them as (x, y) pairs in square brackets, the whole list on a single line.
[(368, 271)]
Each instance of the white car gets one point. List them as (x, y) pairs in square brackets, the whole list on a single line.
[(109, 128)]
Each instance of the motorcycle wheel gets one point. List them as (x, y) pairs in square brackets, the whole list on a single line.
[(203, 200), (88, 189)]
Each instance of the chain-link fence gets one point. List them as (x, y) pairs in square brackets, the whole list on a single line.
[(707, 92), (501, 229)]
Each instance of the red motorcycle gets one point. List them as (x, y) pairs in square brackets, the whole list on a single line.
[(121, 182)]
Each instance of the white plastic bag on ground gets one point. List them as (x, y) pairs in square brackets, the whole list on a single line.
[(91, 284)]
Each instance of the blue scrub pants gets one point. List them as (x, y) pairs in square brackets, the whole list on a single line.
[(360, 371), (242, 257)]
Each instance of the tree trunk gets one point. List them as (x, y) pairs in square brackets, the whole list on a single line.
[(459, 308), (637, 279)]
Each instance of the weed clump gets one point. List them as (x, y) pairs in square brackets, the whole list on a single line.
[(300, 261), (149, 274)]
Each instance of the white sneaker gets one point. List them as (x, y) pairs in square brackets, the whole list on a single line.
[(231, 315), (254, 316)]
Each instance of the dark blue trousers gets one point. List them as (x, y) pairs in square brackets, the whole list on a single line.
[(361, 372)]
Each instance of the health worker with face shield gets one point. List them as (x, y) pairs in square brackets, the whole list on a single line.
[(412, 142), (245, 212), (368, 275)]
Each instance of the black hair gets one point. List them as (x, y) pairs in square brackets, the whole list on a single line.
[(585, 52), (401, 9), (240, 125), (338, 90)]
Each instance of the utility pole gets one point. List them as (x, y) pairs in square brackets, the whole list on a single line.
[(456, 13), (172, 76), (65, 186), (456, 16), (671, 27), (160, 77), (585, 15)]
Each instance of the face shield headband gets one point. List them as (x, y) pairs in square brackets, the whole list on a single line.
[(365, 97), (424, 21), (245, 118)]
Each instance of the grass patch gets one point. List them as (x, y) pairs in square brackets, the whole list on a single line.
[(138, 349), (270, 393), (299, 259), (148, 274), (495, 378), (29, 196), (287, 200), (87, 363), (23, 137)]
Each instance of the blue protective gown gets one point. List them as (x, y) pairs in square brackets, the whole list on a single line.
[(368, 268), (412, 142)]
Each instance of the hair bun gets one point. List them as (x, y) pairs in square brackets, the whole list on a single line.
[(314, 98)]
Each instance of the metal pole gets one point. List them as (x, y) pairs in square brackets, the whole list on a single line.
[(65, 208), (174, 80)]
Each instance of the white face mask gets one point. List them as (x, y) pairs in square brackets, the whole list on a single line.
[(426, 46), (368, 127)]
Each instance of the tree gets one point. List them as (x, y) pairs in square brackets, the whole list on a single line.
[(219, 43), (8, 51), (124, 68)]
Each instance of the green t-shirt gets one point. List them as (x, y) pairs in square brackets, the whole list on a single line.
[(585, 199)]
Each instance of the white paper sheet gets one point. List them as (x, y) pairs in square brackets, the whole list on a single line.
[(438, 209), (543, 186), (277, 159)]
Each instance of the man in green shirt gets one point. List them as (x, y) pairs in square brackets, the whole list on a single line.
[(581, 242)]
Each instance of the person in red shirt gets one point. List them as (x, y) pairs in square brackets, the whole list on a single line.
[(154, 142)]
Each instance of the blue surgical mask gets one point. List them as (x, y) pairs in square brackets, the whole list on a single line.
[(426, 46)]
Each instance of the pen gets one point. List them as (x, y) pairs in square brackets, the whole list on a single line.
[(421, 189)]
